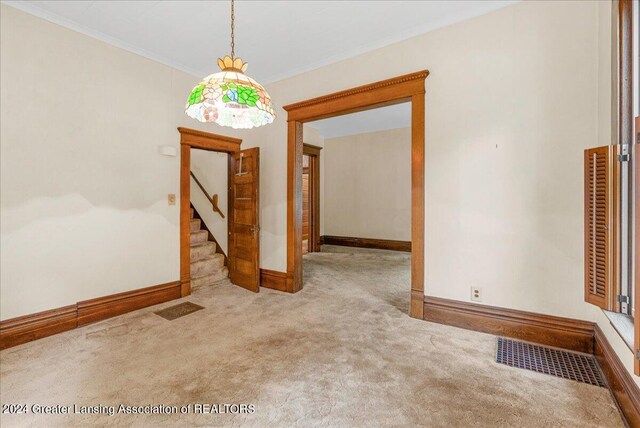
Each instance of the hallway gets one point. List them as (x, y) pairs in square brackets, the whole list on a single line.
[(342, 352)]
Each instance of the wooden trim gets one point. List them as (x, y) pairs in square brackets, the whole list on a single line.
[(273, 279), (310, 149), (27, 328), (380, 244), (94, 310), (548, 330), (365, 97), (17, 331), (407, 88), (624, 390), (207, 141), (294, 206), (191, 138), (185, 219), (416, 308)]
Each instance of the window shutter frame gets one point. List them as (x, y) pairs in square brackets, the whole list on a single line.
[(601, 226)]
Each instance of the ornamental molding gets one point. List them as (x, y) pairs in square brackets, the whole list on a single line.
[(360, 89), (208, 135)]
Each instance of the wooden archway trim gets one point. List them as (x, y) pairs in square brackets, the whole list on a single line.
[(406, 88), (191, 138), (365, 97), (207, 141)]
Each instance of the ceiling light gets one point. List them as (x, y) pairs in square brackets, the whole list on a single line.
[(230, 97)]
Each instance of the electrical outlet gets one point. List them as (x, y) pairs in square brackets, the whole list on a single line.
[(171, 198), (476, 294)]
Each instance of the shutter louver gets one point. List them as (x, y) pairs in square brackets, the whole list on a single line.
[(599, 231)]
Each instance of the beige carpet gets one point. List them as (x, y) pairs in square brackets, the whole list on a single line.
[(342, 352)]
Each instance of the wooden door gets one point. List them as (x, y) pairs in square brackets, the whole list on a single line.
[(311, 199), (244, 224), (306, 217)]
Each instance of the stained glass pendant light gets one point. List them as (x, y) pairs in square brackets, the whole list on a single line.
[(230, 97)]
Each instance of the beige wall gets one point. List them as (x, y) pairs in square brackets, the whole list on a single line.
[(511, 103), (84, 209), (513, 98), (367, 185), (211, 168), (312, 136)]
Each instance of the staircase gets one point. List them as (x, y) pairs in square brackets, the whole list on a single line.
[(207, 266)]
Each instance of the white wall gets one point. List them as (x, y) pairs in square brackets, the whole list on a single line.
[(367, 182), (84, 209), (512, 100), (211, 168), (312, 136), (511, 103)]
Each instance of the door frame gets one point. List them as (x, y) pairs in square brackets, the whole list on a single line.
[(191, 138), (314, 194), (406, 88)]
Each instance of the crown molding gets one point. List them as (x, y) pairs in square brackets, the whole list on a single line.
[(31, 9)]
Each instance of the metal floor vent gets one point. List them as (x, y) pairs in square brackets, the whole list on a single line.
[(555, 362), (177, 311)]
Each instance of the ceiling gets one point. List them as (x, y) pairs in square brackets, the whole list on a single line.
[(379, 119), (278, 38)]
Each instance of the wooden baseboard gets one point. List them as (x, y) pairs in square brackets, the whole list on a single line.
[(567, 333), (273, 279), (623, 388), (17, 331), (548, 330), (94, 310), (379, 244), (27, 328)]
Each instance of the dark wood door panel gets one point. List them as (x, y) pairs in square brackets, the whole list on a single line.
[(244, 224)]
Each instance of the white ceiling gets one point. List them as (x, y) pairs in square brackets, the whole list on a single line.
[(278, 38), (379, 119)]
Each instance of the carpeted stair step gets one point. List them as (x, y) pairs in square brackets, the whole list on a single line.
[(192, 211), (194, 225), (207, 266), (220, 275), (199, 237), (202, 251)]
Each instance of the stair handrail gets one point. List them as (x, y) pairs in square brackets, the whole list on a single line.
[(213, 199)]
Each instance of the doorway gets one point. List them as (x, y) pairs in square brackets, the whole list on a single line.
[(310, 199), (243, 240), (407, 88)]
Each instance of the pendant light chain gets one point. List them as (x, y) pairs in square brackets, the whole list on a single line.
[(233, 43)]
